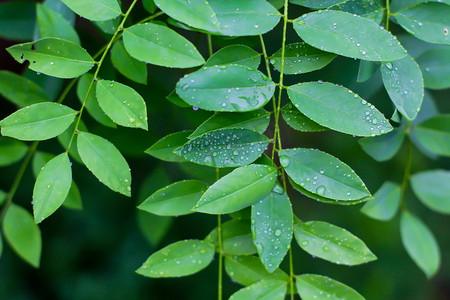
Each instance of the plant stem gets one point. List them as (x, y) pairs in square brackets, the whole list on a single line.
[(388, 14), (210, 48), (407, 171)]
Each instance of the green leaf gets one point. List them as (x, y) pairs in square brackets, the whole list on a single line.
[(2, 197), (179, 259), (272, 225), (22, 234), (19, 90), (247, 270), (338, 108), (52, 187), (175, 99), (294, 118), (103, 159), (53, 24), (237, 190), (348, 35), (404, 83), (153, 227), (434, 66), (426, 21), (38, 122), (73, 200), (370, 9), (91, 104), (108, 26), (420, 244), (385, 204), (16, 20), (40, 159), (433, 134), (366, 70), (225, 148), (332, 243), (226, 88), (432, 188), (98, 10), (316, 4), (160, 46), (195, 13), (54, 57), (128, 66), (244, 18), (311, 287), (322, 174), (165, 147), (150, 6), (383, 147), (11, 151), (262, 290), (1, 245), (65, 139), (176, 199), (301, 58), (235, 54), (122, 104), (257, 120), (236, 237)]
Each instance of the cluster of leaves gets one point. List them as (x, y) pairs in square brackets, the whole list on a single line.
[(254, 189)]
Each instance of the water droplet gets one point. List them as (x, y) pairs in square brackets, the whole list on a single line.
[(321, 190), (389, 66), (278, 189), (277, 232), (284, 161)]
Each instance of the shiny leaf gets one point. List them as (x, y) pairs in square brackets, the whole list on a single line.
[(262, 290), (294, 118), (98, 10), (311, 287)]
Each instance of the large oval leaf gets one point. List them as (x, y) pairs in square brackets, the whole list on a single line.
[(23, 234), (332, 243), (338, 108), (53, 24), (404, 83), (159, 45), (179, 259), (225, 148), (103, 159), (235, 54), (420, 243), (432, 188), (20, 90), (41, 121), (226, 88), (97, 10), (385, 203), (164, 148), (272, 225), (312, 287), (176, 199), (128, 66), (435, 68), (54, 57), (52, 187), (11, 151), (237, 190), (322, 174), (262, 290), (433, 134), (348, 35), (122, 104)]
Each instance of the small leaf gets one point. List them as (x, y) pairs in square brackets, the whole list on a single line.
[(322, 174), (272, 225), (301, 58), (22, 234), (128, 66), (383, 147), (65, 139), (420, 244), (159, 45), (225, 148), (237, 190), (165, 147), (226, 88), (54, 57), (38, 122), (108, 26), (235, 55), (332, 243), (95, 10), (262, 290), (52, 187), (236, 237), (73, 200), (176, 199), (103, 159), (366, 70), (316, 4), (175, 99), (20, 90), (338, 108), (179, 259), (40, 159), (53, 24), (348, 35), (434, 66), (433, 134), (311, 287), (294, 118), (404, 83), (432, 188), (426, 21), (11, 151), (257, 120), (122, 104), (153, 227), (385, 203), (150, 6), (16, 20)]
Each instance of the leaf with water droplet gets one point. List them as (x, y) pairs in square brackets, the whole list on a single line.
[(370, 9), (385, 203), (264, 289), (94, 10), (311, 286), (297, 120)]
